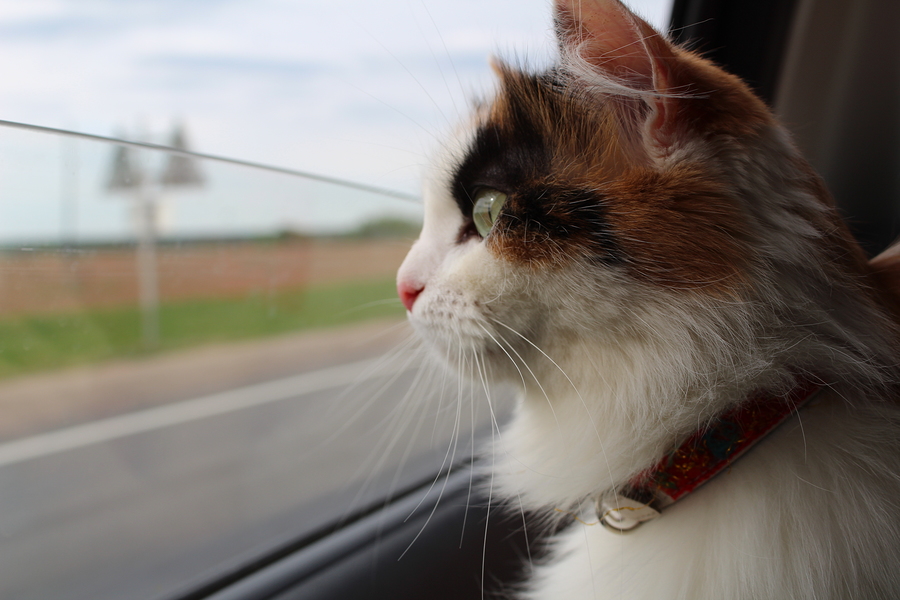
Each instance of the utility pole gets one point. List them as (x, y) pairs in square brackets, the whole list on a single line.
[(128, 175), (148, 272)]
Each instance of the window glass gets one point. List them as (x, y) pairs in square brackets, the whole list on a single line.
[(202, 360), (198, 361)]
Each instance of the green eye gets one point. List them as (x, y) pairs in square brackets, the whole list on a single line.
[(488, 203)]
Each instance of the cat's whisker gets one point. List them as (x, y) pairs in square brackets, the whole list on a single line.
[(535, 378), (481, 370), (427, 130), (372, 372), (495, 437), (407, 451), (373, 465), (508, 355), (588, 411), (472, 453), (447, 462), (487, 517), (662, 268), (444, 377), (436, 503), (398, 420), (437, 62), (415, 79), (407, 345), (535, 346)]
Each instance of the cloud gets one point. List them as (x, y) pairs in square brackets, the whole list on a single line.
[(354, 89)]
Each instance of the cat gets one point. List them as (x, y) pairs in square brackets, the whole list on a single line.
[(633, 240)]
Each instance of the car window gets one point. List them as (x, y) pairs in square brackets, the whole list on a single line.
[(195, 369), (203, 358)]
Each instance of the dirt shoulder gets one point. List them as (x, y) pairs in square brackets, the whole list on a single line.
[(46, 401)]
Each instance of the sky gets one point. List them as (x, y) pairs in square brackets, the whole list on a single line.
[(350, 89)]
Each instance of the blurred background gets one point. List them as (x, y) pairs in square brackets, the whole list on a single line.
[(202, 208), (358, 90)]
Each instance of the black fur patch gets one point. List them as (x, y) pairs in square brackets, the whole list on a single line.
[(513, 153), (500, 159), (545, 222)]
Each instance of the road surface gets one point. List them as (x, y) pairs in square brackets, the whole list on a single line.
[(143, 503)]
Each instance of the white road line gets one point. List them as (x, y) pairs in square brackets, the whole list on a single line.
[(212, 405)]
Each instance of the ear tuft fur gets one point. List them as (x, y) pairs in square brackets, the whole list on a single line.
[(613, 51)]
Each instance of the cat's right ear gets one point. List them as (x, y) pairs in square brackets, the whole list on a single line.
[(610, 48)]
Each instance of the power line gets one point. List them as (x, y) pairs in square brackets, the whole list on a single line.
[(223, 159)]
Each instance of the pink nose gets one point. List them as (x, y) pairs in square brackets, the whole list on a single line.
[(408, 293)]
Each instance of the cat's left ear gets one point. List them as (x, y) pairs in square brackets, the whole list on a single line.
[(603, 41)]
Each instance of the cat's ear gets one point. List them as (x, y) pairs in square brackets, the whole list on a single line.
[(604, 41)]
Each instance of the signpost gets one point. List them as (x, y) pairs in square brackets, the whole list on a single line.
[(129, 175)]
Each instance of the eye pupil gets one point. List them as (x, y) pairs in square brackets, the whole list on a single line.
[(488, 203)]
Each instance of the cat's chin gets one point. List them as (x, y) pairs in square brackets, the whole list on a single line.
[(453, 347), (478, 359)]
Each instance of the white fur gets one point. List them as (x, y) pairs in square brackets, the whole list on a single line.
[(807, 514), (624, 370), (614, 371)]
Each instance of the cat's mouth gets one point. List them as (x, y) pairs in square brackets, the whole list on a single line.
[(450, 332), (479, 361), (478, 345)]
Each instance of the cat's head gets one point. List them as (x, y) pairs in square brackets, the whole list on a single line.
[(632, 209)]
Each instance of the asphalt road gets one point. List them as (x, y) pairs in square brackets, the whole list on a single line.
[(146, 503)]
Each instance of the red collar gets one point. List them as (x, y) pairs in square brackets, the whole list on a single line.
[(702, 456)]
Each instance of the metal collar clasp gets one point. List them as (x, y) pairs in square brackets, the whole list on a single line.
[(621, 514)]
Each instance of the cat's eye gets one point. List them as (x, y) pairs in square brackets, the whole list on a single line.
[(488, 203)]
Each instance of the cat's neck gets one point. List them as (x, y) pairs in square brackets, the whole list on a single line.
[(599, 417)]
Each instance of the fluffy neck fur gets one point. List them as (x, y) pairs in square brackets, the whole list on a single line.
[(606, 402), (663, 252)]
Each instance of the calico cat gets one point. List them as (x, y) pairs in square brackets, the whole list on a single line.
[(632, 239)]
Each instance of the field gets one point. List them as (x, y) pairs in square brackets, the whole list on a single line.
[(66, 308)]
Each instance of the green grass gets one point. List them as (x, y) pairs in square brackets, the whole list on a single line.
[(34, 343)]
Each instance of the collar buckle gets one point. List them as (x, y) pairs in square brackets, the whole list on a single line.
[(621, 514), (700, 457)]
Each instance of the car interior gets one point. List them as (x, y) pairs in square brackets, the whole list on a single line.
[(831, 71), (407, 516)]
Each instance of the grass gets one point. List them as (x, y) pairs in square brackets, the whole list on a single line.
[(35, 343)]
